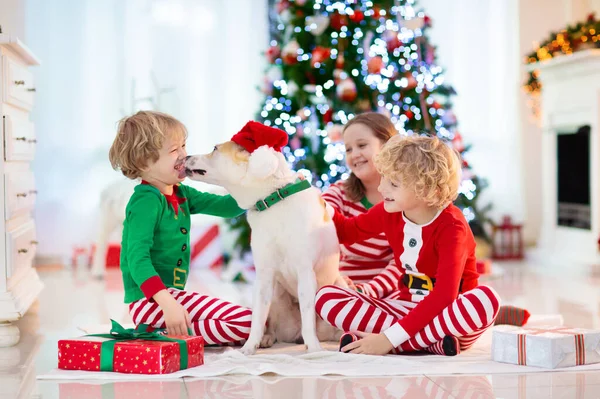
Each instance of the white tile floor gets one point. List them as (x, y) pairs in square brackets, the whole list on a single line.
[(72, 299)]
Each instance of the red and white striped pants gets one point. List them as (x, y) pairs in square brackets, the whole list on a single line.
[(215, 320), (466, 318)]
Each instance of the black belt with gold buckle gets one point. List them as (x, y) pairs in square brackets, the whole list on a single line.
[(421, 282)]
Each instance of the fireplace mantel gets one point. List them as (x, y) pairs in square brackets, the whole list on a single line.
[(570, 98)]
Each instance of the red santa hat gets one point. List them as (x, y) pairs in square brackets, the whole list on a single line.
[(263, 143)]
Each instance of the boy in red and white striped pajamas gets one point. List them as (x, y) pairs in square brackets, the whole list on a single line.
[(439, 306), (155, 253)]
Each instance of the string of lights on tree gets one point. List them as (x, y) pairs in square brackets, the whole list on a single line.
[(330, 60)]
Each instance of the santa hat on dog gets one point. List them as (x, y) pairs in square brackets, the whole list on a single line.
[(263, 143)]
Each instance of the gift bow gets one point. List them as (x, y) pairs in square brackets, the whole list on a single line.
[(119, 333)]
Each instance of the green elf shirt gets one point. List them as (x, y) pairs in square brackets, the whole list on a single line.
[(155, 249)]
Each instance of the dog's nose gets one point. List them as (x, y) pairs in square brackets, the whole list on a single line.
[(186, 158)]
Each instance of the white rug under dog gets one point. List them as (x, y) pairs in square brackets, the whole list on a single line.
[(293, 361)]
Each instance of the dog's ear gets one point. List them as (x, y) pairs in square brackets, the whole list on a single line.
[(263, 162)]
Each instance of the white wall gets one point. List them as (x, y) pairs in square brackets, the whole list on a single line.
[(477, 43), (92, 51), (12, 17), (536, 22)]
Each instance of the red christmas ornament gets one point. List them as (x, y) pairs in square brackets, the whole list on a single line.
[(328, 116), (319, 55), (427, 21), (591, 17), (273, 53), (339, 61), (376, 12), (346, 90), (436, 105), (282, 5), (289, 54), (375, 65), (457, 142), (391, 40), (338, 20), (409, 114), (412, 82), (358, 16)]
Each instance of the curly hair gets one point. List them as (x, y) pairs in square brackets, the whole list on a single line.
[(139, 140), (423, 163)]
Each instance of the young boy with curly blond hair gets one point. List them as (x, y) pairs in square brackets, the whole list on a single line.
[(155, 253), (437, 304)]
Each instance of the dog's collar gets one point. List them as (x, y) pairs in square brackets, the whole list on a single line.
[(280, 194)]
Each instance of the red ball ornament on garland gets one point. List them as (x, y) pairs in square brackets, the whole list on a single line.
[(409, 114)]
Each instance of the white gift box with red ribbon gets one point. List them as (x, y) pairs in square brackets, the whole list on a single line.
[(206, 246), (546, 346)]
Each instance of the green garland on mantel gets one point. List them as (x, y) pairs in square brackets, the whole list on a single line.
[(581, 36)]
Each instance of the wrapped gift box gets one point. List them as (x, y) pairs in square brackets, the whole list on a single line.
[(546, 346), (132, 352)]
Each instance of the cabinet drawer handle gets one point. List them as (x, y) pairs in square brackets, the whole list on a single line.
[(31, 89), (34, 242), (19, 82), (21, 138), (22, 195), (23, 251), (32, 191), (32, 141)]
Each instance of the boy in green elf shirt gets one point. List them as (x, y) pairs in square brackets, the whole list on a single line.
[(155, 253)]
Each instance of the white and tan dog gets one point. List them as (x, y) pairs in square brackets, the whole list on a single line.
[(294, 243)]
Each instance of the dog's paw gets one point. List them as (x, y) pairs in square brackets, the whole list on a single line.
[(267, 341), (249, 349), (314, 347)]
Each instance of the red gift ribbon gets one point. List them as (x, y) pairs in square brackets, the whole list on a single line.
[(579, 343)]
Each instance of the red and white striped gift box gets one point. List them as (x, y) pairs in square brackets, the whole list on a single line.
[(206, 247), (546, 346)]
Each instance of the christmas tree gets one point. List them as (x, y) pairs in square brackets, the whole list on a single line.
[(330, 60)]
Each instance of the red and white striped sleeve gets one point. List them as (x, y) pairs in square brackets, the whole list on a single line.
[(334, 195), (384, 283)]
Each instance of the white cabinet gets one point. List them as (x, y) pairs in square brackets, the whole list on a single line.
[(19, 282)]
